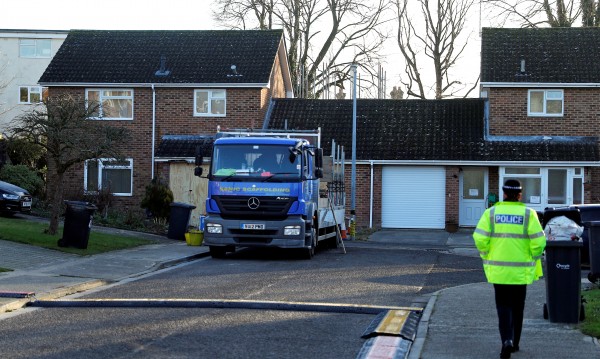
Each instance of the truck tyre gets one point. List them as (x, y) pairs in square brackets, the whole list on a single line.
[(217, 251), (309, 252)]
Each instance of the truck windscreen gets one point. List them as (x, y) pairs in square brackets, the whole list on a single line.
[(252, 162)]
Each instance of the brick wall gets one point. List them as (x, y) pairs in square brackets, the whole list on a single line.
[(452, 194), (508, 114), (363, 194), (174, 115)]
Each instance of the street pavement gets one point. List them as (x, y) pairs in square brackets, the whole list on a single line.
[(458, 322)]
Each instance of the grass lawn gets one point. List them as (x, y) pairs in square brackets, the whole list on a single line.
[(591, 325), (30, 232)]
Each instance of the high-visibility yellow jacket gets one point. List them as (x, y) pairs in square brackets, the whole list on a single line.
[(510, 240)]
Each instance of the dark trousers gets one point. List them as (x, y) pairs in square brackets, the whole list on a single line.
[(510, 304)]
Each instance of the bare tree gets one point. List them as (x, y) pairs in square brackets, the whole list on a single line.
[(64, 129), (435, 35), (324, 37), (553, 13)]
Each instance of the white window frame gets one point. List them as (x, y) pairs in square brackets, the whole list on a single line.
[(36, 51), (103, 164), (211, 97), (543, 176), (102, 97), (31, 90), (545, 101)]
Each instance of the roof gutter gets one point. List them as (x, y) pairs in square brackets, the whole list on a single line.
[(144, 84), (441, 163), (540, 84), (480, 163), (177, 159)]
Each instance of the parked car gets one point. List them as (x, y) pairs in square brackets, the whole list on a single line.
[(14, 199)]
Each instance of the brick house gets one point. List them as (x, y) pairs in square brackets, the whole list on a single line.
[(429, 164), (545, 82), (426, 163), (420, 163), (166, 85)]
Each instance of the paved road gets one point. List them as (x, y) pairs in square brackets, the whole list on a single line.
[(370, 273)]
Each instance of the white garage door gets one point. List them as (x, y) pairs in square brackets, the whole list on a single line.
[(413, 197)]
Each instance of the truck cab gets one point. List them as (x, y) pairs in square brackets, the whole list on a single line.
[(263, 191)]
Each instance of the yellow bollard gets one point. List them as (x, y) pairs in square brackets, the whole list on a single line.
[(352, 229)]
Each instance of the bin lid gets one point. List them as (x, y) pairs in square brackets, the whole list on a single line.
[(80, 204), (571, 213), (181, 204)]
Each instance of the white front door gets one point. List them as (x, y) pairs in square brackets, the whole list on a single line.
[(473, 183)]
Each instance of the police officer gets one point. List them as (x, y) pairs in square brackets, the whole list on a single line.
[(510, 240)]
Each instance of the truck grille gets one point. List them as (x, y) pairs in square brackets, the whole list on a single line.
[(242, 206)]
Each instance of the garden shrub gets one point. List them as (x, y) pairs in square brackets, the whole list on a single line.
[(24, 177), (157, 199)]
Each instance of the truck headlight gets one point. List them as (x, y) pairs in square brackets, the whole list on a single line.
[(214, 228), (291, 231)]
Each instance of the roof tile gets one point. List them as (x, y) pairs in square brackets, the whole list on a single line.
[(192, 57)]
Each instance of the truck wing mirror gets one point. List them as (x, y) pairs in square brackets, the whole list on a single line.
[(292, 157), (295, 151), (198, 171), (319, 173), (319, 158), (198, 158)]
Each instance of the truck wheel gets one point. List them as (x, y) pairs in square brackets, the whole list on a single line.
[(217, 252), (310, 251), (592, 277)]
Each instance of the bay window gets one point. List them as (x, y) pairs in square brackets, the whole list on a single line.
[(546, 186)]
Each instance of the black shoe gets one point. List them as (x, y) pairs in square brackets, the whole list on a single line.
[(515, 348), (507, 348)]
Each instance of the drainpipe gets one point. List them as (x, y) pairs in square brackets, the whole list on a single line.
[(486, 119), (371, 199), (153, 127)]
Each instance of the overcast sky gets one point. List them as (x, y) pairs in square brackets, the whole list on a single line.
[(162, 15), (106, 14)]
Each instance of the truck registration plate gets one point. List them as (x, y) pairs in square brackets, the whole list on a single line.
[(253, 226)]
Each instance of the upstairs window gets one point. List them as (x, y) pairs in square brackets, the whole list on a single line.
[(110, 174), (115, 104), (35, 48), (545, 103), (209, 102), (32, 94)]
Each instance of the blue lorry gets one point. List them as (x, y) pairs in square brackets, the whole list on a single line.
[(273, 189)]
